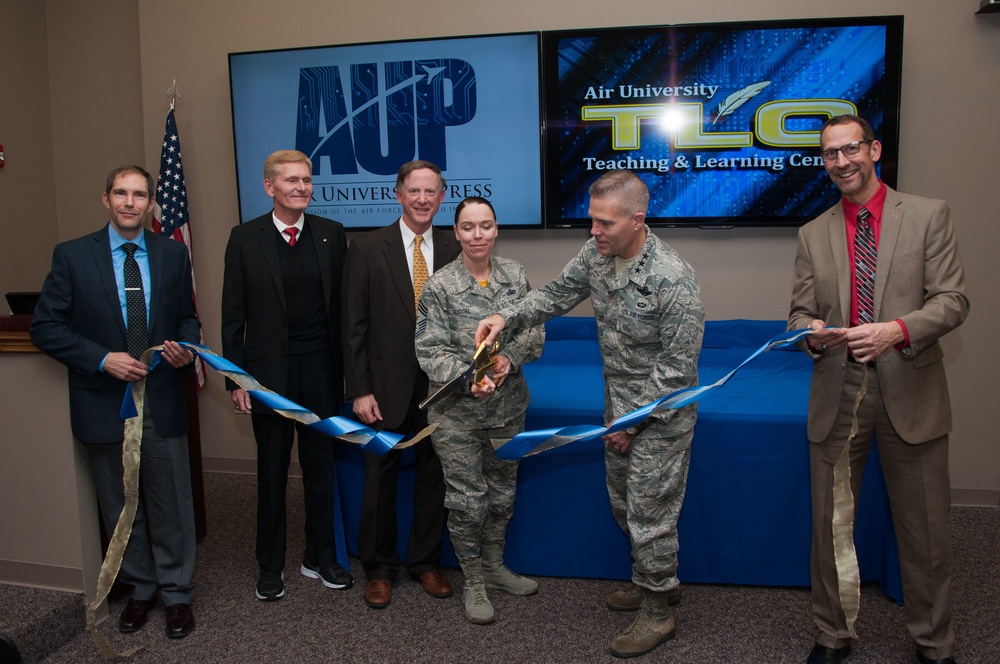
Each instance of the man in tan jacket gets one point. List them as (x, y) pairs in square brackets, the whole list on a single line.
[(880, 331)]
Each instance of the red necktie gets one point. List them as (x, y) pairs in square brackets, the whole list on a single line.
[(864, 267), (291, 231)]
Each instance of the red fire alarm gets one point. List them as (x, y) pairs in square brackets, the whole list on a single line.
[(1, 156)]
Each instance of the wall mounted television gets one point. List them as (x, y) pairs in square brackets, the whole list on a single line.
[(720, 120), (469, 104)]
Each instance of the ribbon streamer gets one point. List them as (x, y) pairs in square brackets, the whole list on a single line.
[(343, 428), (123, 529), (524, 444), (528, 443), (845, 556)]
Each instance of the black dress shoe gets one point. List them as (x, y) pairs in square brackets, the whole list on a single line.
[(923, 659), (9, 654), (135, 614), (180, 620), (823, 655)]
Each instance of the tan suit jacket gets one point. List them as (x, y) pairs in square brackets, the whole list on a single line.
[(919, 279)]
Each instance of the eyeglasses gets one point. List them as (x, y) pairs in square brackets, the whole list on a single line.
[(849, 150)]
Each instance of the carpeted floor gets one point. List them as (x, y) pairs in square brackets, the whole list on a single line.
[(566, 622)]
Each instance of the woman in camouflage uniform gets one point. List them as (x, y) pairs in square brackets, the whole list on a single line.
[(479, 487)]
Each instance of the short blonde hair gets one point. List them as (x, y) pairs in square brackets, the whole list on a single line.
[(281, 157)]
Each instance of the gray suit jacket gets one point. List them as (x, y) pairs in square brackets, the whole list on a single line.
[(919, 279)]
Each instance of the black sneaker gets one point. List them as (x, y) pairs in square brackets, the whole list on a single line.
[(270, 586), (331, 574)]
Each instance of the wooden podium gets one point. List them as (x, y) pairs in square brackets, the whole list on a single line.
[(49, 527)]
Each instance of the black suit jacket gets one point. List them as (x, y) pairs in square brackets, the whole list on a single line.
[(379, 319), (78, 321), (254, 315)]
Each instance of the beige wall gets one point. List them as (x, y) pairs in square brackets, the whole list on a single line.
[(70, 111), (26, 136), (948, 144), (95, 77)]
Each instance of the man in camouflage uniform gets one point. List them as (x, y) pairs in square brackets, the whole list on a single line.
[(479, 487), (650, 324)]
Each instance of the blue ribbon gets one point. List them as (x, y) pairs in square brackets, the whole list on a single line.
[(528, 443), (343, 428), (523, 444)]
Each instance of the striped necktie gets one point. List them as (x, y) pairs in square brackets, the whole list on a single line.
[(864, 267), (419, 271)]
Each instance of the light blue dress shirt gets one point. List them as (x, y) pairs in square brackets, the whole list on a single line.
[(118, 261)]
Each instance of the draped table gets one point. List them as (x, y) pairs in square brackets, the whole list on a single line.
[(746, 515)]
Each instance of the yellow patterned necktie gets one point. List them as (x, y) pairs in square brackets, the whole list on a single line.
[(419, 271)]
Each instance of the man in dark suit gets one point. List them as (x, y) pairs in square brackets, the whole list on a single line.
[(385, 380), (281, 323), (81, 320), (882, 343)]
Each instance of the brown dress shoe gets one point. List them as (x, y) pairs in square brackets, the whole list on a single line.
[(378, 593), (135, 615), (435, 584), (180, 620)]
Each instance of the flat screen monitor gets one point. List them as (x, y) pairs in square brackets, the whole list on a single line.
[(471, 105), (721, 121), (22, 303)]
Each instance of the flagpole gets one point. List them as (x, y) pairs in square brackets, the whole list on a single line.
[(173, 95), (170, 216)]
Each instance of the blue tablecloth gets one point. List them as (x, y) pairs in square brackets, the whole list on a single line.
[(746, 515)]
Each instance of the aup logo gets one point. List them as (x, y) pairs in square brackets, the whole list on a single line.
[(396, 112)]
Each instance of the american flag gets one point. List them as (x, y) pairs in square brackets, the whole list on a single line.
[(170, 217)]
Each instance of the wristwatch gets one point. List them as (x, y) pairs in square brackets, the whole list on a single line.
[(634, 431)]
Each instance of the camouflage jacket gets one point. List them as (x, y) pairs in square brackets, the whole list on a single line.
[(451, 305), (650, 324)]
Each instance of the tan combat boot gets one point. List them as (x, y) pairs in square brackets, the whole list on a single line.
[(653, 625), (630, 598), (499, 577), (478, 608)]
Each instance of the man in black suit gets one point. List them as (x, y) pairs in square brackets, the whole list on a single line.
[(385, 380), (281, 323), (83, 320)]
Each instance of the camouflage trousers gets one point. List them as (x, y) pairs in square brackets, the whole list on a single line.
[(646, 486), (479, 487)]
